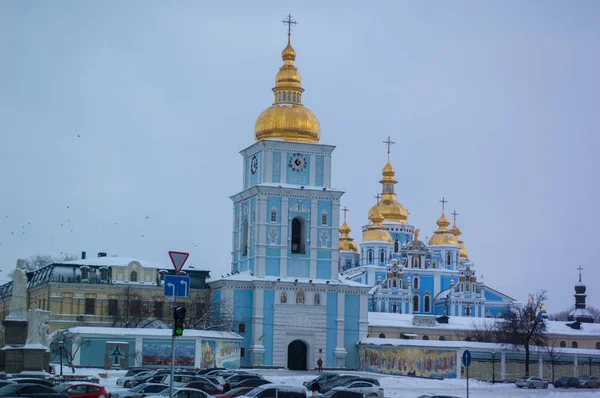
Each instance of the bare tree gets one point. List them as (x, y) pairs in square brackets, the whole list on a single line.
[(71, 345), (486, 332), (134, 306), (555, 354), (203, 313), (523, 325), (563, 316)]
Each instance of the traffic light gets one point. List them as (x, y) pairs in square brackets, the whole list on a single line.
[(178, 321)]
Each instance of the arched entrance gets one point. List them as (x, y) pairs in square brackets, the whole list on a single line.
[(297, 353)]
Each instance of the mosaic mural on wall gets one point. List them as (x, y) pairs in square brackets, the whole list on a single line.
[(408, 361), (221, 354), (159, 353)]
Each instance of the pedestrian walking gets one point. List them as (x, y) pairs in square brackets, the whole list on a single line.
[(320, 365)]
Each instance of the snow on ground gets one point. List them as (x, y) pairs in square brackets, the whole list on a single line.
[(396, 386)]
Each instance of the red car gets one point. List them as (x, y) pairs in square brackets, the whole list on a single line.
[(235, 392), (82, 390)]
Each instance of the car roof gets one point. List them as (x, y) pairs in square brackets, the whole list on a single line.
[(282, 386)]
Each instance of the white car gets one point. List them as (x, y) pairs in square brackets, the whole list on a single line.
[(274, 390), (181, 392), (365, 388), (122, 380)]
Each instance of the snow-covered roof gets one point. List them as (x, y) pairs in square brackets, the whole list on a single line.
[(96, 331), (246, 276), (123, 262), (456, 323)]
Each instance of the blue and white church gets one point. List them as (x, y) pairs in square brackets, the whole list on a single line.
[(284, 290)]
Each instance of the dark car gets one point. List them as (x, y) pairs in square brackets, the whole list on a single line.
[(30, 391), (234, 392), (566, 382), (134, 371), (32, 380), (5, 383), (344, 380), (251, 383), (321, 379), (205, 386), (153, 377), (235, 379), (341, 394)]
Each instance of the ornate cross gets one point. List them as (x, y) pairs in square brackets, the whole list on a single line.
[(345, 210), (378, 196), (443, 202), (580, 268), (389, 143), (454, 213), (289, 21)]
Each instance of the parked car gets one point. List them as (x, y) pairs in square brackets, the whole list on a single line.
[(181, 380), (234, 379), (589, 381), (122, 381), (251, 383), (82, 390), (208, 370), (235, 392), (30, 391), (363, 387), (134, 371), (566, 382), (138, 391), (153, 377), (182, 392), (341, 392), (205, 386), (275, 390), (437, 396), (531, 382), (343, 380), (5, 383), (32, 380), (321, 379)]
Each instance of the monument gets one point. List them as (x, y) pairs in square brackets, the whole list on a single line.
[(25, 332)]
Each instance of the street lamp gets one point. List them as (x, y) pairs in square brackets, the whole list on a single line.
[(61, 345), (493, 366), (590, 362)]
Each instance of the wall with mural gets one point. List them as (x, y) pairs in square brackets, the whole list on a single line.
[(158, 353), (221, 354), (408, 361)]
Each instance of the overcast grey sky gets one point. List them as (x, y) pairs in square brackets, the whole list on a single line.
[(121, 123)]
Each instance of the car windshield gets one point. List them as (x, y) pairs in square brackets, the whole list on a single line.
[(137, 388), (9, 389), (234, 391), (584, 377), (61, 387), (141, 375)]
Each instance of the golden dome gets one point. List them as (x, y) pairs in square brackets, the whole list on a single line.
[(287, 119), (375, 231), (389, 207), (457, 232), (346, 243), (443, 236)]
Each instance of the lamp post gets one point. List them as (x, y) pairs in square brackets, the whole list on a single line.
[(590, 362), (61, 345), (493, 366)]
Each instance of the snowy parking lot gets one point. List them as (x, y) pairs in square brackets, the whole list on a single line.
[(402, 387)]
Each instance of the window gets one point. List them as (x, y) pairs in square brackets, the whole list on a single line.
[(370, 256), (90, 305), (300, 297), (381, 336), (283, 298), (242, 352), (382, 256), (133, 276), (416, 261), (426, 304), (104, 275), (324, 218), (85, 272), (245, 238), (425, 337), (415, 283), (113, 307), (242, 328), (396, 246), (158, 309), (317, 299), (136, 307), (598, 346), (442, 338), (448, 259), (297, 236), (574, 344), (563, 344), (273, 215), (394, 307), (415, 303)]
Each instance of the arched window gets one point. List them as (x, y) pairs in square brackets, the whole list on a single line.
[(300, 297), (598, 346), (574, 344), (434, 264), (324, 218), (273, 215), (415, 303), (415, 283), (298, 235), (448, 259), (442, 338), (317, 299), (283, 298), (285, 95), (394, 307), (396, 246), (426, 304), (133, 276), (563, 344), (425, 337), (381, 336), (382, 256), (245, 238), (370, 256)]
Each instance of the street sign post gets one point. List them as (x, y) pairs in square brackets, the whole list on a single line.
[(178, 259), (466, 361), (177, 286)]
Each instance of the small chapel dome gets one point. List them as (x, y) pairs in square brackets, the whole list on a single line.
[(375, 231), (443, 236), (390, 208), (346, 243), (287, 119), (457, 232)]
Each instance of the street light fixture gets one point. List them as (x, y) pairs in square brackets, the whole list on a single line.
[(493, 366), (61, 345), (590, 362)]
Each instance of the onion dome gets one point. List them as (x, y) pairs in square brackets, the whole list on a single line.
[(375, 231), (390, 209), (457, 232), (346, 243), (443, 236), (287, 119)]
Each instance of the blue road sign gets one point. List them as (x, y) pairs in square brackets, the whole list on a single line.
[(177, 286), (466, 358)]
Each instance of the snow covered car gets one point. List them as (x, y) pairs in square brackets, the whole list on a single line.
[(531, 382), (365, 388)]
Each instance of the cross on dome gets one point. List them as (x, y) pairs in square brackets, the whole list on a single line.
[(454, 214), (345, 210), (389, 143), (443, 202), (378, 196), (289, 21), (580, 268)]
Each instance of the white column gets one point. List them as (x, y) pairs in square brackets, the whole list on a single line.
[(363, 321), (285, 239), (540, 366), (575, 364), (315, 242), (340, 351), (267, 166), (335, 236), (327, 171), (257, 350), (261, 236), (502, 366), (459, 364), (312, 161)]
